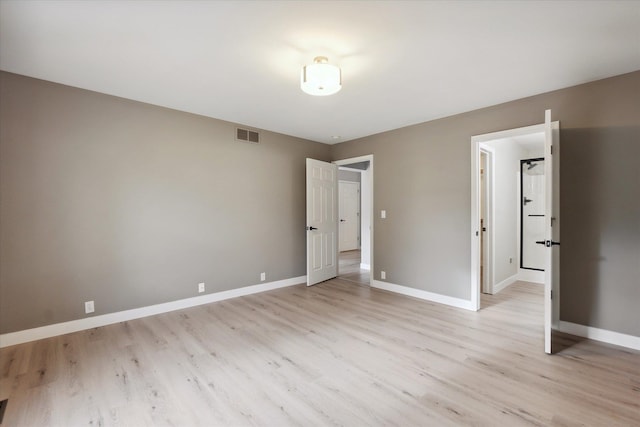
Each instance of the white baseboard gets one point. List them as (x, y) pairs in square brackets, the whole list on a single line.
[(425, 295), (534, 276), (506, 282), (598, 334), (19, 337), (365, 266)]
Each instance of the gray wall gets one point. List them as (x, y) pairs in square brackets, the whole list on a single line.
[(130, 205), (422, 178)]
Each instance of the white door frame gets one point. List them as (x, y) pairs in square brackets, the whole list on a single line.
[(366, 185), (476, 141)]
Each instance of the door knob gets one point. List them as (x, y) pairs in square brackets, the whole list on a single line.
[(311, 228), (548, 243), (343, 220)]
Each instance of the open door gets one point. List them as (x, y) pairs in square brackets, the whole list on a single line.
[(552, 230), (322, 221)]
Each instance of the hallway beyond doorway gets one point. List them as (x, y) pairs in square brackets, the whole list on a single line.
[(349, 268)]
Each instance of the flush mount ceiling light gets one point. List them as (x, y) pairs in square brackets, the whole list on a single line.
[(321, 78)]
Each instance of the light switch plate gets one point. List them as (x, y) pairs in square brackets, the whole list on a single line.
[(89, 307)]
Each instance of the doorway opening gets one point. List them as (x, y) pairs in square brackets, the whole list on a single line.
[(355, 228), (502, 220), (505, 183), (505, 230)]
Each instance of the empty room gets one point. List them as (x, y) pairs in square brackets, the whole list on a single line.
[(358, 213)]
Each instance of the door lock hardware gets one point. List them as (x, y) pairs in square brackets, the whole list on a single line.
[(548, 243)]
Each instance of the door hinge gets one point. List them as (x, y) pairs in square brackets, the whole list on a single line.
[(551, 150), (551, 293)]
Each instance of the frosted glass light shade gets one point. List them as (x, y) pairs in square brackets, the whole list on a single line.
[(321, 78)]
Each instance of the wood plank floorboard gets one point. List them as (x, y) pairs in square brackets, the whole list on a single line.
[(338, 353)]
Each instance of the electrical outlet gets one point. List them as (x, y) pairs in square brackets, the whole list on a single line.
[(383, 275), (383, 214), (89, 307), (200, 287), (263, 277)]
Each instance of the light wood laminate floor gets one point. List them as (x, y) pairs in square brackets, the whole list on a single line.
[(334, 354), (349, 267)]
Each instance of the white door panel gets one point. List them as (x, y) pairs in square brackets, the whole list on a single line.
[(552, 246), (322, 221), (349, 215)]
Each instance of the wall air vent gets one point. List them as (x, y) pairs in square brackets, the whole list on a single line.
[(247, 135)]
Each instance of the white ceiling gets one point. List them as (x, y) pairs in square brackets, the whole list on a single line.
[(402, 62)]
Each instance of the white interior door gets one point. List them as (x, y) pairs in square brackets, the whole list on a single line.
[(349, 215), (552, 230), (322, 221)]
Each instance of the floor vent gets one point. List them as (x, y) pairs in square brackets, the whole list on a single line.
[(3, 406), (247, 135)]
